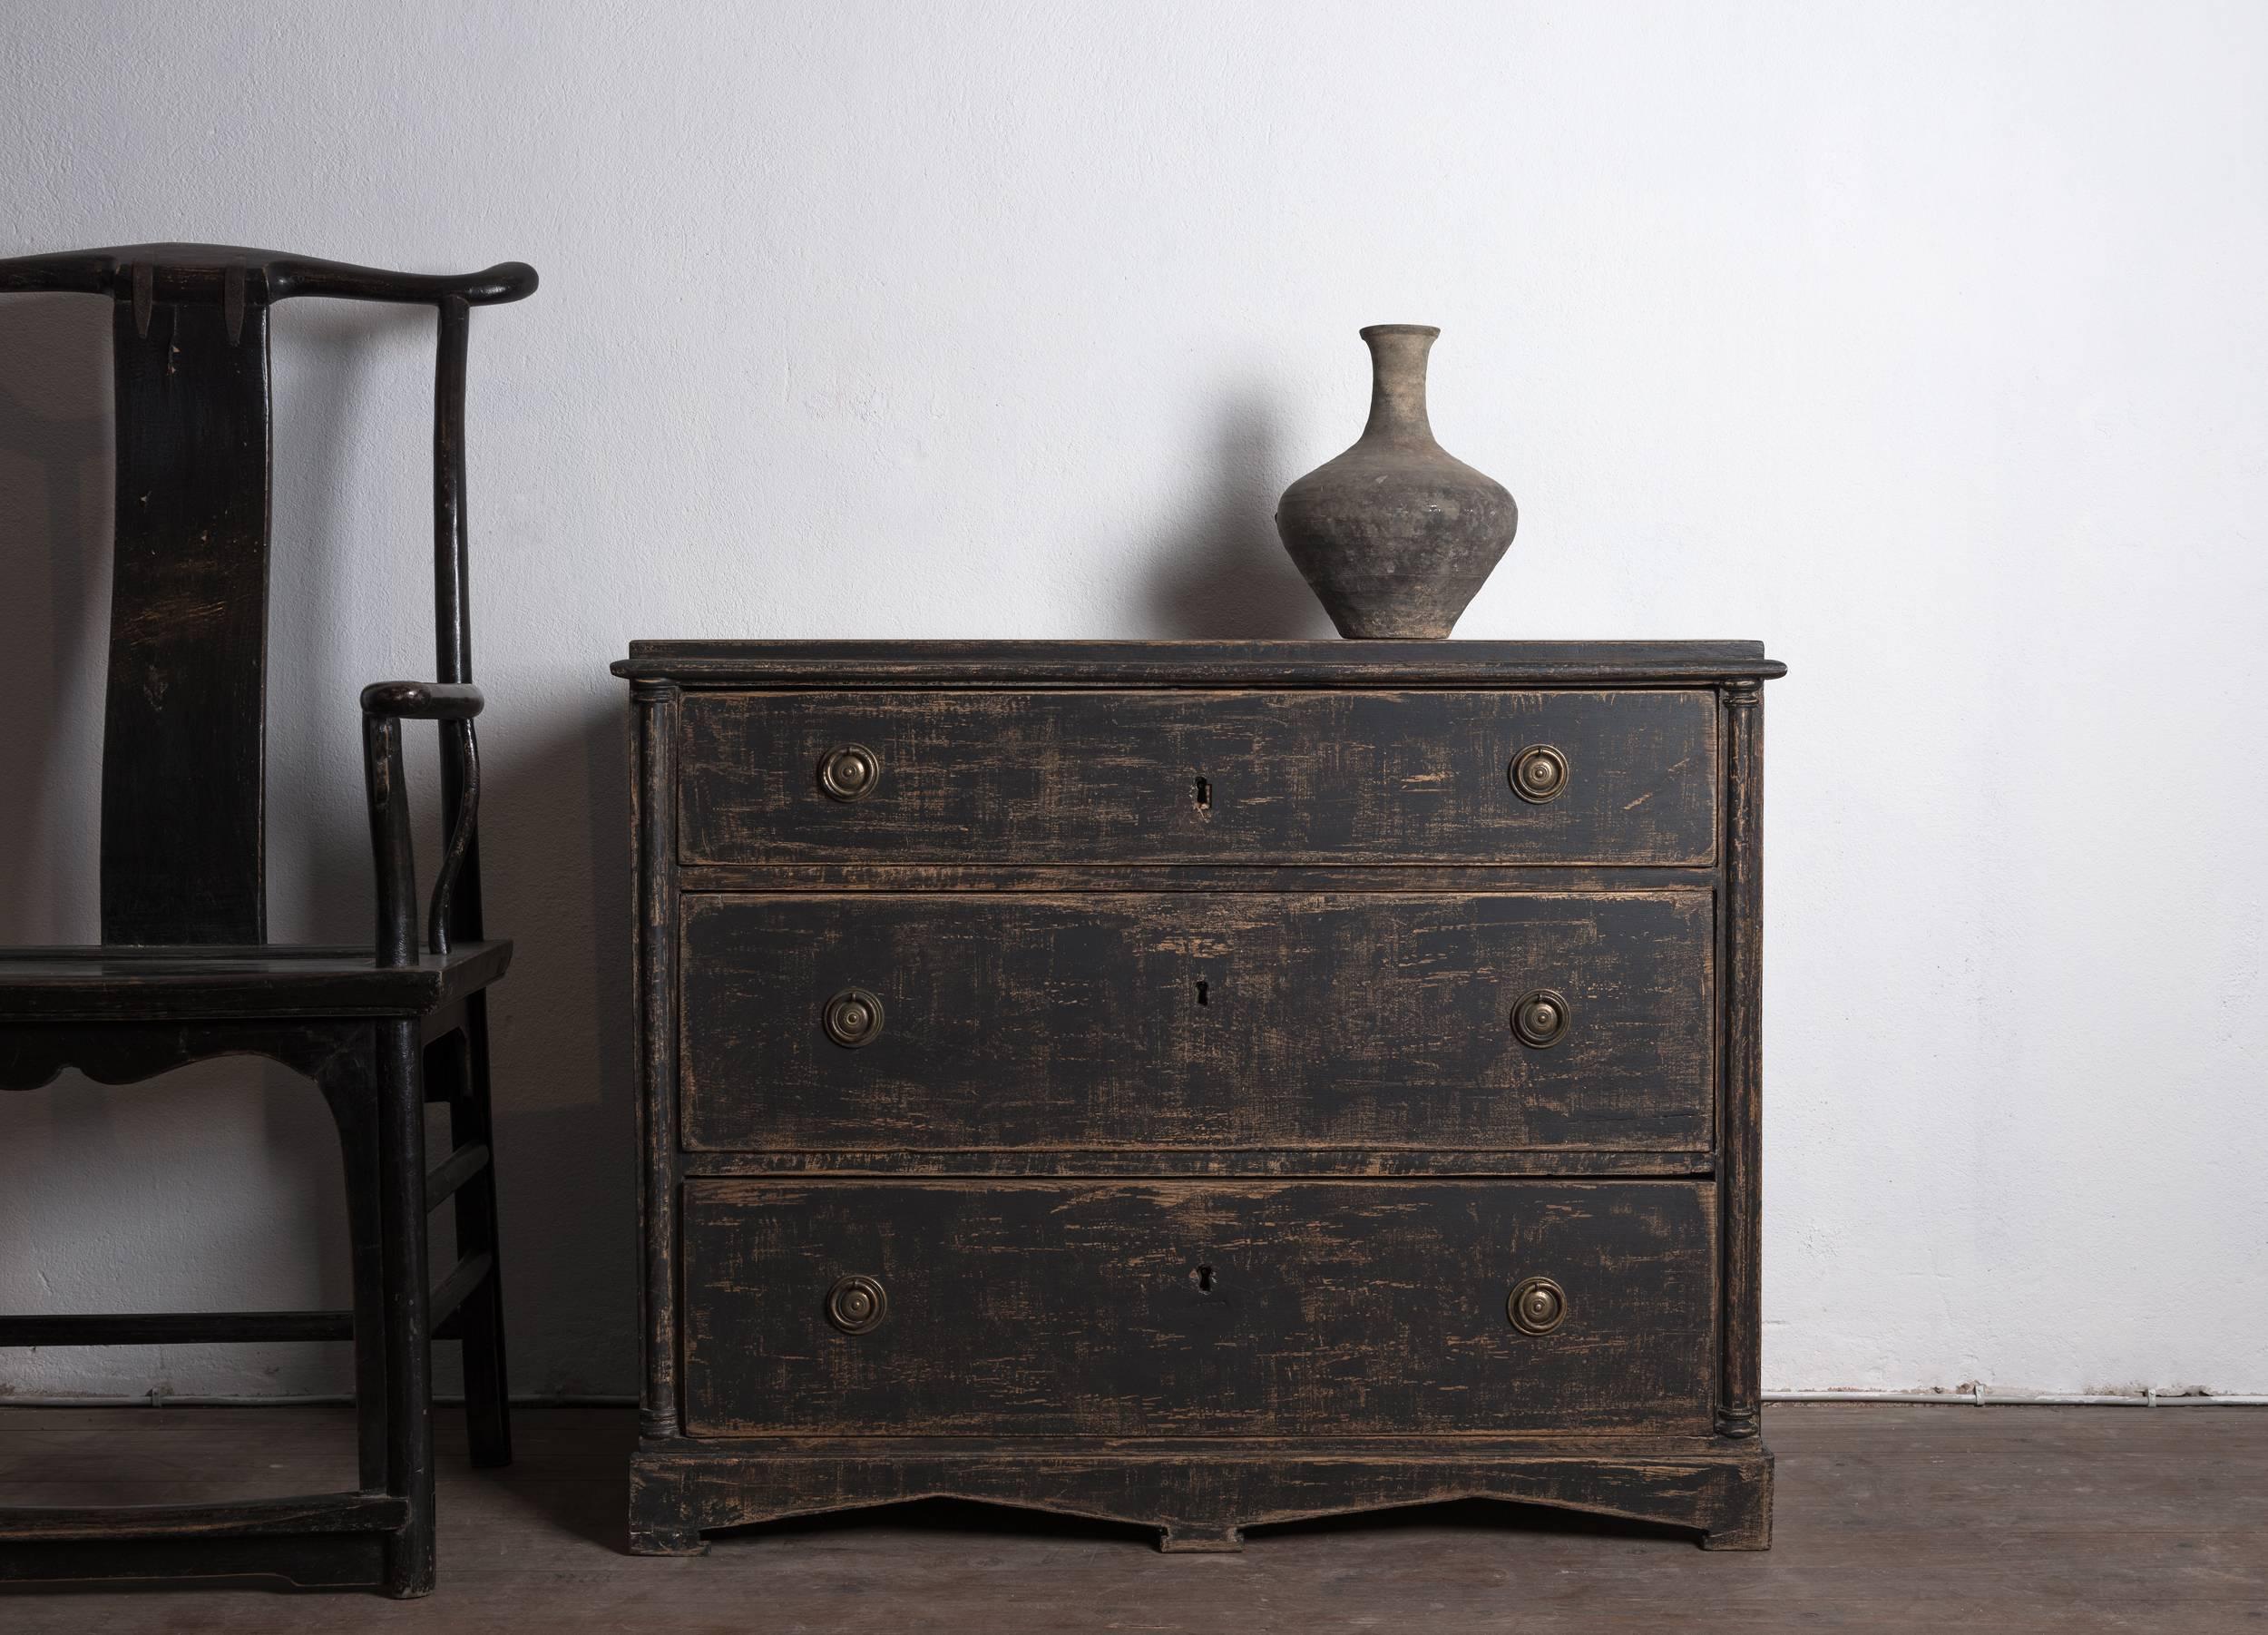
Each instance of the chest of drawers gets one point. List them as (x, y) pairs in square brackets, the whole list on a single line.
[(1198, 1084)]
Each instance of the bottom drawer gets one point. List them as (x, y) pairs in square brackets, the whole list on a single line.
[(1201, 1307)]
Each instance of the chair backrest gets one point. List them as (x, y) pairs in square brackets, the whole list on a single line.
[(184, 855)]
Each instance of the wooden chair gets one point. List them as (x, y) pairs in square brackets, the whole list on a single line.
[(185, 971)]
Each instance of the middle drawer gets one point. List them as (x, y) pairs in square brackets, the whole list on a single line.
[(963, 1021)]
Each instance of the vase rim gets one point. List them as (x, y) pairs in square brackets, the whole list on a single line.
[(1429, 330)]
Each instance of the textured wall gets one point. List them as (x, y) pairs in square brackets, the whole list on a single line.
[(1923, 341)]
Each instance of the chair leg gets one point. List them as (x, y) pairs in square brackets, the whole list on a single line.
[(409, 1566), (481, 1319), (350, 1088)]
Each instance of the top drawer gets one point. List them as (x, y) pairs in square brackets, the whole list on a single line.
[(1032, 777)]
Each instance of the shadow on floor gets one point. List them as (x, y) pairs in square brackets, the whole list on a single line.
[(569, 1469)]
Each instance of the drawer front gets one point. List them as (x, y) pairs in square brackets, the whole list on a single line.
[(1168, 1308), (1186, 1020), (1037, 777)]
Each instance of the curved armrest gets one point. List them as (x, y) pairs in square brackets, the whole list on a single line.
[(385, 705), (423, 700)]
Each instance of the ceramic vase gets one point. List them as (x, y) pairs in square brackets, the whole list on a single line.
[(1396, 534)]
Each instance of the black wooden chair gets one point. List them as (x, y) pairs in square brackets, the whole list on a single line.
[(185, 972)]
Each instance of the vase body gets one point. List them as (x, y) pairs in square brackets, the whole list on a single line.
[(1397, 535)]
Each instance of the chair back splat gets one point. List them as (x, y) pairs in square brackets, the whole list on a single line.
[(184, 855), (183, 729)]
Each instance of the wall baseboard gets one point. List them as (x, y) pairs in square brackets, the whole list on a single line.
[(1980, 1397), (156, 1399)]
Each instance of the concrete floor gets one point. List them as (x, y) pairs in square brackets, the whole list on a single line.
[(1889, 1518)]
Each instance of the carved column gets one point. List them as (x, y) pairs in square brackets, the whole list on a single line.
[(1740, 1131), (654, 796)]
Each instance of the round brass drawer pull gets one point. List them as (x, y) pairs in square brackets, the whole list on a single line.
[(1538, 774), (849, 772), (1540, 1019), (857, 1304), (852, 1018), (1537, 1306)]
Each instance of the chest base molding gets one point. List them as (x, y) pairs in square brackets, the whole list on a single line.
[(1199, 1494)]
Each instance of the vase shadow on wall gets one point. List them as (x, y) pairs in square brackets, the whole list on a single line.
[(1220, 571)]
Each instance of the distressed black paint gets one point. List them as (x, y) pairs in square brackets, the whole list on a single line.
[(184, 735), (1289, 776), (1357, 1021), (1062, 1309), (1162, 936)]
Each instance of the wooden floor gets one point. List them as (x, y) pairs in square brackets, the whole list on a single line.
[(1999, 1519)]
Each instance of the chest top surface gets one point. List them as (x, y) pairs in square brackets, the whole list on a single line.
[(1127, 664)]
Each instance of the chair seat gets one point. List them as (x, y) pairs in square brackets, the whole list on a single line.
[(205, 985)]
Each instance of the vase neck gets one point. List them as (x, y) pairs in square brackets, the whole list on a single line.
[(1397, 382)]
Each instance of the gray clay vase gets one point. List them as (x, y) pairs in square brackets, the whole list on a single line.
[(1396, 534)]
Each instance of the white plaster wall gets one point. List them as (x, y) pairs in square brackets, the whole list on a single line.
[(1923, 341)]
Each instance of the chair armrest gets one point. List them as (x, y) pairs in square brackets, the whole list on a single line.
[(385, 705), (423, 700)]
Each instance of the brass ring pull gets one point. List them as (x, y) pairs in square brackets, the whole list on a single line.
[(1540, 1019), (1538, 774), (852, 1018), (1536, 1306), (850, 772), (857, 1304)]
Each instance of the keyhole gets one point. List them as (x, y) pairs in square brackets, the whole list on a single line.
[(1204, 794), (1200, 993), (1205, 1279)]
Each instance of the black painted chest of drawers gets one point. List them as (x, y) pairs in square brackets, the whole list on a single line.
[(1198, 1084)]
